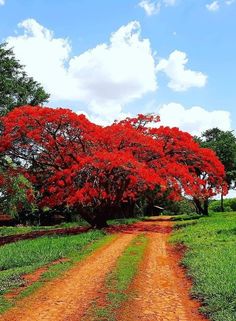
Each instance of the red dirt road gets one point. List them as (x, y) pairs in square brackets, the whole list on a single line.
[(161, 290), (67, 298)]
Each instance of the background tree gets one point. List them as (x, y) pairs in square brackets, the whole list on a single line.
[(16, 87), (224, 145), (17, 194)]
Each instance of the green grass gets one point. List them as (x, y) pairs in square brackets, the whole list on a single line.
[(211, 262), (14, 230), (26, 256), (119, 280), (185, 217), (121, 221)]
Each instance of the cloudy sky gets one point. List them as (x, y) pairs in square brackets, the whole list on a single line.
[(110, 59)]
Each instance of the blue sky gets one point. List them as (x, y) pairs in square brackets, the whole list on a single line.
[(173, 57)]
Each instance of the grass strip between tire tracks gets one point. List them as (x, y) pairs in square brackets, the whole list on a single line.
[(118, 282)]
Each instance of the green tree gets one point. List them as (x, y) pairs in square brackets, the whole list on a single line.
[(16, 87), (224, 144), (17, 194)]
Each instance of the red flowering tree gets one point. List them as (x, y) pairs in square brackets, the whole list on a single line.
[(199, 172), (185, 167), (44, 142), (73, 162)]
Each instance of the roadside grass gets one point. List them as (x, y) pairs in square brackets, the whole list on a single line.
[(14, 230), (211, 262), (121, 221), (118, 282), (185, 217), (23, 257)]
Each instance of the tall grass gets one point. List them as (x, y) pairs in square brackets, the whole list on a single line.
[(211, 262)]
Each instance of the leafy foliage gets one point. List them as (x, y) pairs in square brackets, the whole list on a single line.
[(17, 192), (229, 205), (16, 88), (183, 206), (224, 144)]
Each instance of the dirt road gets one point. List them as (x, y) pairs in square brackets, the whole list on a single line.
[(67, 298), (160, 289)]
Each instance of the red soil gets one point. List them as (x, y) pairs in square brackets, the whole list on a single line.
[(67, 298), (160, 290)]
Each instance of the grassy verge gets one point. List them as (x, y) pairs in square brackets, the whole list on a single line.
[(14, 230), (121, 221), (185, 217), (118, 282), (24, 257), (211, 262)]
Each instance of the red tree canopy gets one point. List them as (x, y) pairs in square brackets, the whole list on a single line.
[(73, 162)]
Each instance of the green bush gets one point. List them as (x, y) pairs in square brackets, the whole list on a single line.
[(184, 206), (233, 204), (229, 205)]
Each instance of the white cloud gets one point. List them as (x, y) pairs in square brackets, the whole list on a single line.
[(169, 2), (153, 7), (195, 119), (103, 121), (181, 78), (213, 6), (231, 194), (105, 77), (150, 7), (229, 2), (2, 2), (44, 58)]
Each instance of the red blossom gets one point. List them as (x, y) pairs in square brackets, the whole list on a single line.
[(73, 161)]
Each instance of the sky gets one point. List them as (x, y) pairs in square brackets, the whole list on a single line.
[(111, 59)]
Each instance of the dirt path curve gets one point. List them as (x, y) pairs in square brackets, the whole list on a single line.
[(161, 289), (67, 298)]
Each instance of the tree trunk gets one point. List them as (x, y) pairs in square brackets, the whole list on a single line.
[(222, 202), (205, 207), (202, 209), (100, 217), (149, 211), (87, 217), (100, 221)]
